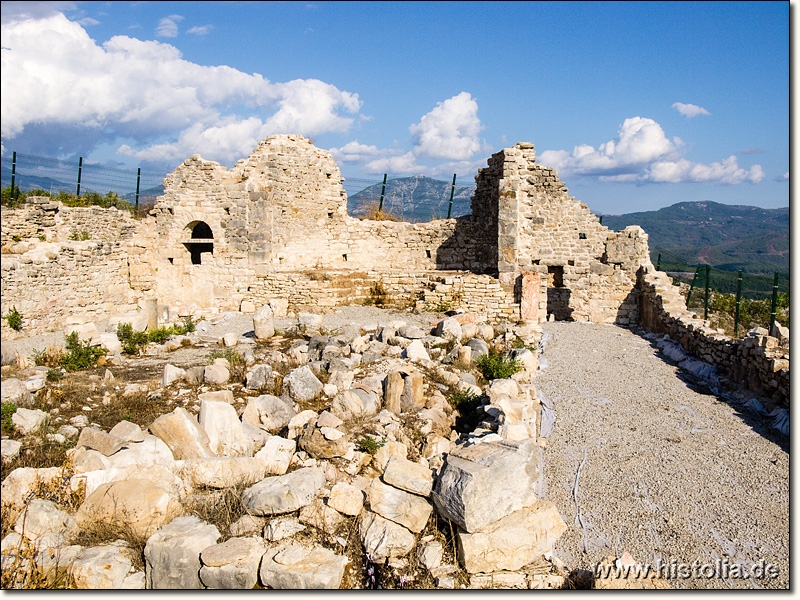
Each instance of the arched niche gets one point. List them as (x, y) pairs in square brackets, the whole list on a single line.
[(201, 240)]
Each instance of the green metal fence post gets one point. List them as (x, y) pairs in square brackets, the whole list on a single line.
[(13, 175), (452, 191), (138, 178), (601, 219), (658, 263), (705, 311), (80, 168), (774, 303), (691, 288), (383, 190), (738, 302)]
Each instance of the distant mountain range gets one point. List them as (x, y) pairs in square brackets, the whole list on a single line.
[(413, 199), (755, 240)]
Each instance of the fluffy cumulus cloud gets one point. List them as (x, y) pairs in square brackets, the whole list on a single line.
[(450, 130), (643, 153), (690, 110), (145, 91)]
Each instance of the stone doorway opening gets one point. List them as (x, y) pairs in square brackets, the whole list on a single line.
[(200, 242), (558, 295)]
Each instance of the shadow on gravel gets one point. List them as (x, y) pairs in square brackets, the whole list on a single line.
[(758, 423)]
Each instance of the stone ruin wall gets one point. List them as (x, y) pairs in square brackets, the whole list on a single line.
[(281, 230), (760, 362)]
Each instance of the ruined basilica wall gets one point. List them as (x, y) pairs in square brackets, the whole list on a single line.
[(760, 362)]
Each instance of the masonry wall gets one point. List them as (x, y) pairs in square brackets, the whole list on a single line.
[(759, 362)]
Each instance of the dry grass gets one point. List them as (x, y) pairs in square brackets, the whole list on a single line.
[(373, 212), (221, 508)]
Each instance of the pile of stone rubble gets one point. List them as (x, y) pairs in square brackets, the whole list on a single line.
[(361, 441)]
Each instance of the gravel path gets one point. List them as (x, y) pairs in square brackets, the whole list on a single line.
[(663, 468)]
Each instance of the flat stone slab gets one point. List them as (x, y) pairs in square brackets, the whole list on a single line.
[(284, 493), (295, 567)]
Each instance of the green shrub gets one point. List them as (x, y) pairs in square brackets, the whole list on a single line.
[(466, 404), (79, 237), (497, 365), (8, 409), (80, 355), (131, 339), (370, 445), (14, 319)]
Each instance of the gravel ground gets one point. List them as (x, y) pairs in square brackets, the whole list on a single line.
[(644, 460)]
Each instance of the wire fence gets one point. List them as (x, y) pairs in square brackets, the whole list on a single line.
[(415, 199), (736, 301), (27, 172)]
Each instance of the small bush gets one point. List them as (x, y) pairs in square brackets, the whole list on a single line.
[(14, 319), (80, 355), (8, 409), (467, 404), (133, 340), (79, 236), (496, 365), (370, 445)]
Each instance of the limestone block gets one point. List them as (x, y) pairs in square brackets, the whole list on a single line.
[(102, 567), (125, 430), (513, 541), (279, 306), (355, 404), (346, 498), (149, 452), (323, 442), (263, 325), (449, 329), (13, 391), (233, 564), (383, 539), (296, 567), (9, 449), (268, 412), (284, 493), (320, 515), (224, 429), (416, 351), (172, 554), (478, 346), (299, 422), (279, 529), (388, 451), (409, 476), (302, 385), (53, 563), (181, 432), (22, 481), (28, 421), (42, 517), (399, 506), (137, 503), (258, 377), (393, 392), (483, 483), (222, 472), (503, 387), (276, 455), (217, 374), (431, 554), (412, 398), (99, 440)]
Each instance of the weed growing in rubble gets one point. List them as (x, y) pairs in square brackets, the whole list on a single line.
[(8, 409), (370, 445), (133, 340), (80, 355), (497, 365), (14, 319)]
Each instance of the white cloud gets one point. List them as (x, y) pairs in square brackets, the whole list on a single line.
[(168, 26), (450, 130), (690, 110), (643, 153), (400, 165), (354, 152), (200, 29), (640, 141), (724, 171), (143, 90), (784, 177)]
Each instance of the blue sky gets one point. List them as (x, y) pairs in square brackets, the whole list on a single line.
[(637, 105)]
